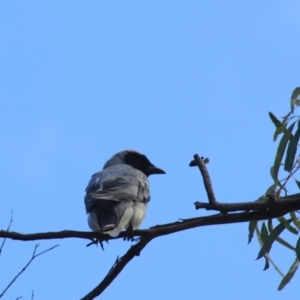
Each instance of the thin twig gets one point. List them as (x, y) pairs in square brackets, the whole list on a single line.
[(24, 268), (206, 178), (11, 219), (294, 170), (32, 294)]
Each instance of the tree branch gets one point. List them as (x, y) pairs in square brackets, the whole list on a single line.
[(34, 255), (200, 162), (261, 211), (264, 203), (118, 266)]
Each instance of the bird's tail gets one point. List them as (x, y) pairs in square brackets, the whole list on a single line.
[(107, 213)]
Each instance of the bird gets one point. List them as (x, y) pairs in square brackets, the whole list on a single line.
[(116, 198)]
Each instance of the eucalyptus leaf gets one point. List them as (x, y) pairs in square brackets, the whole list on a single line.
[(298, 249), (285, 243), (267, 245), (280, 151), (251, 227), (287, 225), (298, 183), (270, 225), (276, 122), (287, 278), (291, 150), (294, 98), (295, 219), (267, 256), (278, 131), (279, 239), (267, 265), (264, 232)]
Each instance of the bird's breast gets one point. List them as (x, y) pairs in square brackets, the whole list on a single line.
[(139, 214)]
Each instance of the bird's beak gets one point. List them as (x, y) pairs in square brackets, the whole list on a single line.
[(155, 170)]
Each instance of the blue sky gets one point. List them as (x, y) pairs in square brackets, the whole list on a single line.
[(83, 80)]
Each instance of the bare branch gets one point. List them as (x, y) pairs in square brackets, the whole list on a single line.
[(53, 235), (32, 294), (34, 255), (118, 266), (206, 178), (11, 219), (286, 204)]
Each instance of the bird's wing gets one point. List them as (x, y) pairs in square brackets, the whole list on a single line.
[(117, 184)]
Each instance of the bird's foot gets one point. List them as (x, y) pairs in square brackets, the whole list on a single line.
[(96, 242), (130, 237)]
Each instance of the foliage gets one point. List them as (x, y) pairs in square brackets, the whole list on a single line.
[(286, 165)]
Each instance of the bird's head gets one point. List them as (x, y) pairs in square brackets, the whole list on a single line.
[(136, 160)]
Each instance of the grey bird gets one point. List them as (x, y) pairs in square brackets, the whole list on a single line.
[(116, 198)]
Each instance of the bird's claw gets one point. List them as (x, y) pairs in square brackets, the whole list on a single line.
[(96, 242)]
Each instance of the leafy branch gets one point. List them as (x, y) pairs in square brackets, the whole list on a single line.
[(287, 152)]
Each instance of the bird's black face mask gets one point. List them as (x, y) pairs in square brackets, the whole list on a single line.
[(142, 163)]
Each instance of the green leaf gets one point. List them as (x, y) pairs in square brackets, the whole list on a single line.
[(298, 183), (287, 278), (280, 151), (264, 232), (295, 219), (272, 173), (266, 247), (267, 256), (279, 239), (278, 131), (294, 98), (287, 225), (291, 150), (270, 225), (251, 227), (276, 122), (286, 244), (298, 249), (267, 265)]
